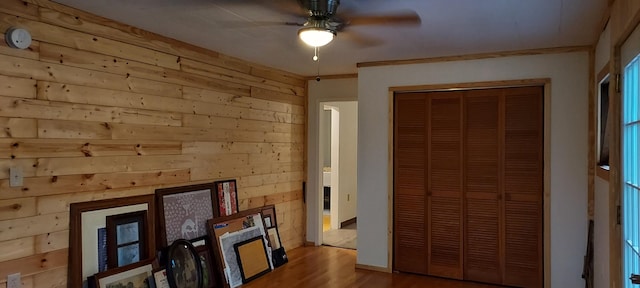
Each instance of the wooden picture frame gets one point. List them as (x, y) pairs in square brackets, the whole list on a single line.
[(210, 272), (227, 224), (126, 240), (210, 279), (227, 197), (183, 212), (252, 258), (85, 220), (269, 216), (136, 274), (183, 265)]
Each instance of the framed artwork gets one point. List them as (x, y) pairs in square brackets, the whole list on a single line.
[(252, 258), (126, 240), (274, 237), (86, 241), (278, 254), (160, 278), (183, 265), (225, 231), (183, 212), (227, 195), (102, 250), (209, 279), (136, 275), (269, 216)]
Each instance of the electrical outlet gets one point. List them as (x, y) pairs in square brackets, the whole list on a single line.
[(15, 176), (13, 281)]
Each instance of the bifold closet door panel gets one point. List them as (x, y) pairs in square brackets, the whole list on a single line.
[(410, 242), (523, 186), (482, 250), (444, 186)]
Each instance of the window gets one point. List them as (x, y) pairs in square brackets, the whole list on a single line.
[(630, 165), (603, 124)]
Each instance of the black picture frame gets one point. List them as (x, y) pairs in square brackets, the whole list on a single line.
[(183, 265), (126, 241), (227, 197), (201, 203), (252, 263)]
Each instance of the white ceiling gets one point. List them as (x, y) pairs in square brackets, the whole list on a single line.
[(449, 27)]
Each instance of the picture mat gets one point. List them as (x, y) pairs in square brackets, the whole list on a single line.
[(229, 254), (274, 238), (253, 258), (160, 278), (267, 221), (91, 221), (146, 270)]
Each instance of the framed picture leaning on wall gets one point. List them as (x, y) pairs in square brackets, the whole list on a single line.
[(87, 235), (126, 240), (183, 212), (227, 196), (136, 275)]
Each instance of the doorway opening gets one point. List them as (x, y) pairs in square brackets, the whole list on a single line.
[(338, 159)]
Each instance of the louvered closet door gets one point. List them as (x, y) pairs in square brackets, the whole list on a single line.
[(482, 253), (468, 185), (523, 186), (410, 244), (444, 187)]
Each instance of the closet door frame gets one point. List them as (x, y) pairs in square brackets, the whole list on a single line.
[(546, 83)]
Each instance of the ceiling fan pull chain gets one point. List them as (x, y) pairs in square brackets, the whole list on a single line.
[(315, 58), (315, 53)]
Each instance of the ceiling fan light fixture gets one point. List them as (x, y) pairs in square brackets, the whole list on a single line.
[(316, 36)]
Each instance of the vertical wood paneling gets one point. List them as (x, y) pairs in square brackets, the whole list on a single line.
[(97, 110)]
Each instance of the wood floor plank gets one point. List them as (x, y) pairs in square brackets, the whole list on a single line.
[(335, 267)]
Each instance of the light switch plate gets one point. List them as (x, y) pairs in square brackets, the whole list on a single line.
[(15, 177), (13, 281)]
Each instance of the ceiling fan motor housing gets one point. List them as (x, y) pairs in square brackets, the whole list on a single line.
[(320, 8)]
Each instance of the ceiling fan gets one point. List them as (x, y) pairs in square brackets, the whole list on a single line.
[(323, 21)]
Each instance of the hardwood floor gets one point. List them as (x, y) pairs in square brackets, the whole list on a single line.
[(335, 268)]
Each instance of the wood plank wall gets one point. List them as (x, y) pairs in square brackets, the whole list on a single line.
[(95, 109)]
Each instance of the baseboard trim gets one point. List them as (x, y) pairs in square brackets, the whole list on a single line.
[(309, 244), (373, 268), (348, 222)]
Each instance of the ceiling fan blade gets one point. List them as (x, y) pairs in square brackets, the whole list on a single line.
[(360, 40), (253, 24), (408, 18), (291, 7)]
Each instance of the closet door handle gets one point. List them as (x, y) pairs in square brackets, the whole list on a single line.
[(635, 279)]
